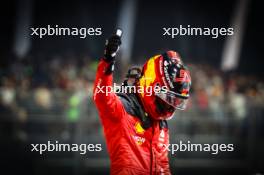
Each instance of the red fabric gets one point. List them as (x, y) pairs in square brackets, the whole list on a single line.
[(132, 149)]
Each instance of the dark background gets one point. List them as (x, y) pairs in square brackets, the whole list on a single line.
[(150, 19), (46, 92)]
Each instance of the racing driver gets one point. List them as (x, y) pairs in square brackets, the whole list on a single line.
[(135, 124)]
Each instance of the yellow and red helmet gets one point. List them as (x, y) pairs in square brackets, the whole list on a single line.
[(170, 84)]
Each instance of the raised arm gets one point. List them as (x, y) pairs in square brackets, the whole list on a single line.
[(106, 100)]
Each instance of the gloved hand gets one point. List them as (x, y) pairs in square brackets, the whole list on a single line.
[(112, 46)]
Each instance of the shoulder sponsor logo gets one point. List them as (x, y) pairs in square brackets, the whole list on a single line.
[(139, 140)]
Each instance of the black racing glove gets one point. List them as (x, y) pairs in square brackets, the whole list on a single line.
[(112, 46)]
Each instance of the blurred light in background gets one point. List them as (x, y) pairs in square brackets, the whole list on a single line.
[(233, 43), (23, 20), (126, 22)]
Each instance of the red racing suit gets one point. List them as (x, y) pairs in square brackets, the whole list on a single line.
[(133, 150)]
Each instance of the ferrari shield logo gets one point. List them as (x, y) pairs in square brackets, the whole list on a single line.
[(138, 128)]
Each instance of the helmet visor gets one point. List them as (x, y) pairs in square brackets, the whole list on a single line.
[(175, 100)]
